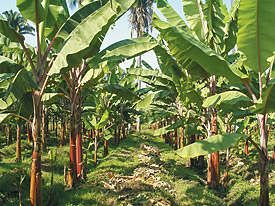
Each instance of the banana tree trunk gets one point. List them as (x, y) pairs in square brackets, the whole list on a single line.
[(105, 148), (18, 145), (264, 162), (72, 168), (213, 171), (36, 178), (44, 140), (79, 152), (28, 132), (63, 131)]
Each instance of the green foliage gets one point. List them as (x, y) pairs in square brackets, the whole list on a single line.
[(210, 145), (191, 49), (50, 98), (8, 66), (226, 100), (84, 37), (28, 10), (266, 104), (254, 36)]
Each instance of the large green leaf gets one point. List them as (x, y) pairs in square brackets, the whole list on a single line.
[(7, 31), (8, 66), (121, 91), (4, 116), (227, 100), (266, 103), (72, 22), (57, 14), (103, 121), (184, 48), (83, 38), (255, 36), (28, 10), (155, 76), (25, 108), (21, 84), (125, 49), (210, 145), (146, 101), (231, 27), (92, 77), (152, 97), (170, 14), (50, 98), (192, 13), (3, 104), (14, 47), (212, 10)]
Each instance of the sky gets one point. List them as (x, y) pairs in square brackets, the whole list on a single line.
[(120, 31)]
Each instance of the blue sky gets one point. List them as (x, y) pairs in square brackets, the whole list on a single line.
[(119, 32)]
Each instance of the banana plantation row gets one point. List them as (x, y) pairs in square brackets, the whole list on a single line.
[(214, 85)]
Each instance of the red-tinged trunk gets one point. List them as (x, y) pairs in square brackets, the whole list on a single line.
[(44, 140), (88, 133), (171, 139), (105, 148), (181, 137), (213, 171), (18, 145), (246, 148), (264, 162), (72, 168), (213, 176), (79, 152), (29, 132), (79, 156), (63, 131), (176, 142), (36, 178)]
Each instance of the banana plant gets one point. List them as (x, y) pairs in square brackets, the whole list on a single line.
[(257, 47), (63, 33), (202, 51)]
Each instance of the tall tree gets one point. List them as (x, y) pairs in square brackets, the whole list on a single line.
[(140, 19), (18, 22)]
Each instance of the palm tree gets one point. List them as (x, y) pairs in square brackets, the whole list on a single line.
[(18, 22), (140, 19)]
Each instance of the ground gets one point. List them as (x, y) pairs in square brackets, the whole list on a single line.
[(142, 170)]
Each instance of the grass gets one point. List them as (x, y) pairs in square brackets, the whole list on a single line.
[(185, 186)]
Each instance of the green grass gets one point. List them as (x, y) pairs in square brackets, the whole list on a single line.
[(187, 186)]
